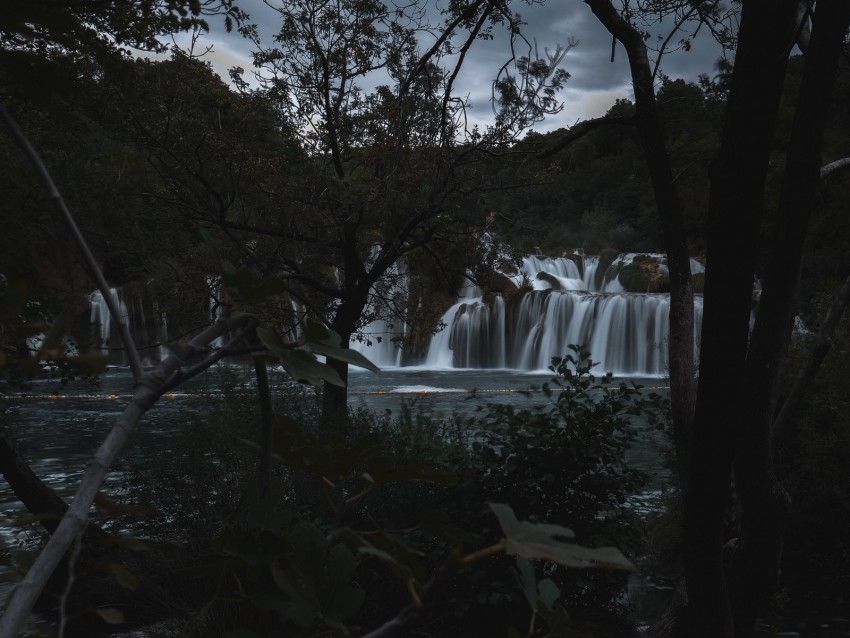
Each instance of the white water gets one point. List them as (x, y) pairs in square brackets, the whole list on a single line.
[(563, 301), (626, 333)]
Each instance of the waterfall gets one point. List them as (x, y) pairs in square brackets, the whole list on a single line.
[(140, 312), (101, 320), (625, 332), (381, 339), (613, 307)]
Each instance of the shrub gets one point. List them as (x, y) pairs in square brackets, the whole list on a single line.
[(564, 461), (415, 487)]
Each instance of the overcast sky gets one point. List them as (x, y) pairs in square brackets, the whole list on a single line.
[(594, 85)]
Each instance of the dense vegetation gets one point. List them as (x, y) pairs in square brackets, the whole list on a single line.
[(305, 209)]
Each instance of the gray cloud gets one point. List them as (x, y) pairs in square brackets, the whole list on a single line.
[(594, 84)]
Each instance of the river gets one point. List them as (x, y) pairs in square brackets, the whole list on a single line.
[(59, 426)]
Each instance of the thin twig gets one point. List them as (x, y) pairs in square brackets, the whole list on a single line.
[(92, 267), (147, 391), (63, 600)]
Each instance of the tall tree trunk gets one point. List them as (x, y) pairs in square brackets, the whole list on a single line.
[(763, 502), (334, 397), (736, 200), (652, 138)]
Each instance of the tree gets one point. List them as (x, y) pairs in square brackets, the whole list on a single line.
[(85, 25), (66, 27), (383, 173), (729, 424)]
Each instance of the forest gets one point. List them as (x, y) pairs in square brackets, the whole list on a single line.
[(267, 225)]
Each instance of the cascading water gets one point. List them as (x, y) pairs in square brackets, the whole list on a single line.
[(101, 320), (140, 312), (547, 304), (379, 339), (562, 304)]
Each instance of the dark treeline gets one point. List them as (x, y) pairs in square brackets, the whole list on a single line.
[(304, 200)]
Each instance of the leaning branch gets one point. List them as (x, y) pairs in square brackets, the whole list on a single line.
[(90, 262), (834, 167), (581, 129), (149, 388)]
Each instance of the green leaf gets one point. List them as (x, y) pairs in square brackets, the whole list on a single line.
[(271, 340), (124, 577), (527, 581), (543, 542), (317, 332), (394, 550), (549, 592), (111, 615), (322, 340), (304, 368), (302, 611), (342, 600), (301, 365), (343, 354)]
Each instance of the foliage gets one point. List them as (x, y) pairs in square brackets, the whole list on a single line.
[(566, 461), (812, 460), (355, 523), (38, 26)]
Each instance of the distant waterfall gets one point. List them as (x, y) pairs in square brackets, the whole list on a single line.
[(543, 305), (140, 312), (379, 339), (625, 332)]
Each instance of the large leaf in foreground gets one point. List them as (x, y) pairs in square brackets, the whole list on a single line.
[(301, 365), (544, 541), (322, 340)]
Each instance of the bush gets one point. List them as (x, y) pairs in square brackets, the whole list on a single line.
[(564, 462), (413, 488)]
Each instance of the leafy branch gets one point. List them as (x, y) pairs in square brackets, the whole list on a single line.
[(184, 362), (524, 539)]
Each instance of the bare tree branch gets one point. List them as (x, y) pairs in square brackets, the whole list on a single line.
[(149, 388), (89, 261), (579, 130), (804, 30), (834, 167)]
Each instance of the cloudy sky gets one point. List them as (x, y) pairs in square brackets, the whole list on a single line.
[(594, 85)]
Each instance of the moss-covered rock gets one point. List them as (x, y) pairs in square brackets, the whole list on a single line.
[(644, 274), (550, 279), (501, 283)]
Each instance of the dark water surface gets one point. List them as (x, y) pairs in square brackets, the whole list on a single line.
[(59, 427)]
